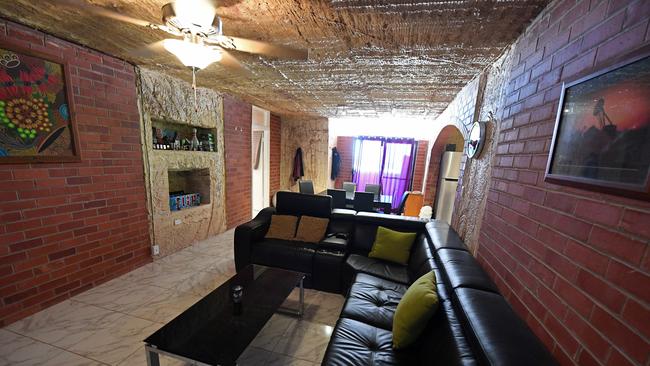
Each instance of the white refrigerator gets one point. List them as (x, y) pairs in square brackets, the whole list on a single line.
[(447, 184)]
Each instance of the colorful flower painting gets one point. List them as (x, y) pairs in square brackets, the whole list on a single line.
[(35, 121)]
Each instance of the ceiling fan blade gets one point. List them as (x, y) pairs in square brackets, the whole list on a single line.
[(152, 50), (231, 62), (260, 47), (97, 10)]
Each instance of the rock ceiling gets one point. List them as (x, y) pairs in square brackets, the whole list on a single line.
[(366, 57)]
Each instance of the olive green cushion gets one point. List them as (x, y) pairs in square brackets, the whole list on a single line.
[(391, 245), (414, 311)]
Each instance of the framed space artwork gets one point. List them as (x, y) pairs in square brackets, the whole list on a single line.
[(36, 110), (602, 132)]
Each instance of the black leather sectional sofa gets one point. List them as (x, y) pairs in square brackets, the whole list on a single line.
[(474, 325)]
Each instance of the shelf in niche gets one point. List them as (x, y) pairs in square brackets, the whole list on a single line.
[(166, 129)]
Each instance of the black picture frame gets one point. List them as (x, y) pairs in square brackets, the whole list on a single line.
[(601, 139)]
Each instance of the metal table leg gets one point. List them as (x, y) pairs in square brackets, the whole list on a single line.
[(301, 306), (152, 356)]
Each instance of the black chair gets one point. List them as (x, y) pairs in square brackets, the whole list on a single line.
[(374, 189), (363, 201), (402, 203), (338, 197), (306, 186)]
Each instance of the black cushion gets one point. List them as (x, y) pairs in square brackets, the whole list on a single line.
[(373, 300), (443, 341), (379, 268), (498, 335), (463, 270), (298, 204), (421, 259), (443, 236), (292, 255), (355, 343)]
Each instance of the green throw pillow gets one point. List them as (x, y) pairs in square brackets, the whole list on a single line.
[(393, 246), (414, 311)]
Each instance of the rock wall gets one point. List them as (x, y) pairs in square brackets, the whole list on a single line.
[(169, 99), (310, 134), (472, 195)]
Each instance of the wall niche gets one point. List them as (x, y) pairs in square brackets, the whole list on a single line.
[(167, 107)]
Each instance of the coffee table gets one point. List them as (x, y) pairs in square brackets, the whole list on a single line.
[(209, 333)]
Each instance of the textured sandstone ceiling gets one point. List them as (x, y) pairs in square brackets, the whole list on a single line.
[(366, 57)]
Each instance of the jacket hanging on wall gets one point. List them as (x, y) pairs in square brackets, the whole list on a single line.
[(336, 163), (298, 171)]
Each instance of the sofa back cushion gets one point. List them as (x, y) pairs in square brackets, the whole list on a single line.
[(365, 229), (421, 260), (298, 204), (282, 227), (311, 229)]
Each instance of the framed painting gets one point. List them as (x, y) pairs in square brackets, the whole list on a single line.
[(36, 108), (602, 131)]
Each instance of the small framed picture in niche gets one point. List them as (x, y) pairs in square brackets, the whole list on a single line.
[(36, 108), (602, 131)]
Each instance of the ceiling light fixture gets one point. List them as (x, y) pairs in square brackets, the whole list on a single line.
[(192, 54)]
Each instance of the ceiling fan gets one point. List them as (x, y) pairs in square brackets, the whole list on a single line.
[(199, 30)]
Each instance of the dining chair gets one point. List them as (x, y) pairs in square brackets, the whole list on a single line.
[(413, 204), (349, 188), (374, 189), (306, 186), (338, 197), (363, 201)]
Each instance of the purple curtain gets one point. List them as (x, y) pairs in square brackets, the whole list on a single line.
[(368, 156), (384, 161)]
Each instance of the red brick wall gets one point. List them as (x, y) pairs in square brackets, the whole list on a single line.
[(66, 227), (574, 264), (275, 154), (345, 147), (237, 119), (420, 164)]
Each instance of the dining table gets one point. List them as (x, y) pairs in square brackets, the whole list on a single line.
[(383, 202)]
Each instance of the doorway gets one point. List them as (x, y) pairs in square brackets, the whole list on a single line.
[(260, 159), (443, 172)]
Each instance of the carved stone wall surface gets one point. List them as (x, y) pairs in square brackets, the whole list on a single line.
[(468, 213), (169, 99), (311, 134)]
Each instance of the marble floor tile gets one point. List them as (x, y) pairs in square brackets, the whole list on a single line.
[(306, 341), (114, 343), (138, 358), (253, 356), (324, 308), (123, 296), (223, 266), (165, 306), (201, 283), (65, 324), (274, 329), (160, 275), (17, 350)]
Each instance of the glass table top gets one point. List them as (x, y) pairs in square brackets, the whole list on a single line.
[(210, 332)]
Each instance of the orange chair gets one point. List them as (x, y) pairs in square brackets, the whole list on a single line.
[(412, 202)]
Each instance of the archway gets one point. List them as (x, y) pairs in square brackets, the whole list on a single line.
[(449, 139)]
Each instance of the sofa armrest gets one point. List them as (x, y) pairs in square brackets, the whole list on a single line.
[(248, 233), (337, 242)]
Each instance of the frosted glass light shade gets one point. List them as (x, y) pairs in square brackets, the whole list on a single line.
[(192, 54)]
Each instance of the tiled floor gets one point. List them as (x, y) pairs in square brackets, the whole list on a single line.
[(106, 325)]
